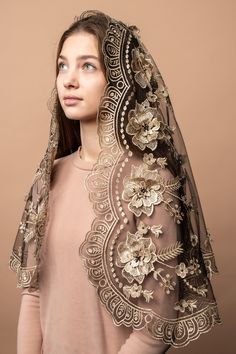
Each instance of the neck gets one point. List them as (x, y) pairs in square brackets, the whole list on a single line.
[(89, 140)]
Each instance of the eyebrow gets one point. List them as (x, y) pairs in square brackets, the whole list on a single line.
[(80, 57)]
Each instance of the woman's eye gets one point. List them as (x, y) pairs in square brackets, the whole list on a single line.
[(86, 66), (59, 65), (89, 66)]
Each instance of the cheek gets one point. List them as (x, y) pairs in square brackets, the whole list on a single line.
[(100, 88)]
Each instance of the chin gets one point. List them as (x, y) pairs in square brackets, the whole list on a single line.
[(70, 114), (82, 118)]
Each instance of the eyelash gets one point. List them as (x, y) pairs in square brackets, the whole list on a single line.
[(59, 65), (93, 66)]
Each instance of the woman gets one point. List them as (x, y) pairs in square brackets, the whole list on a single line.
[(112, 249)]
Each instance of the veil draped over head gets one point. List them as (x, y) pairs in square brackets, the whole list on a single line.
[(148, 250)]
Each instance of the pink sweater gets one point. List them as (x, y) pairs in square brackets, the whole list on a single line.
[(66, 316)]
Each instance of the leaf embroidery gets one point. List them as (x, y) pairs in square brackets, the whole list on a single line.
[(170, 252)]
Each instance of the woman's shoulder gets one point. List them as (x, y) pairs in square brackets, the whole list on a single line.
[(61, 161), (59, 165)]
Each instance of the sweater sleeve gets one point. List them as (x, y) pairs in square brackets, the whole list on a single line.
[(140, 342), (29, 334)]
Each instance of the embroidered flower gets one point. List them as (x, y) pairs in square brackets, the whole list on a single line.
[(181, 270), (142, 66), (149, 159), (142, 228), (165, 281), (133, 291), (188, 203), (156, 230), (136, 291), (183, 305), (161, 161), (22, 227), (145, 126), (135, 30), (136, 257), (175, 212), (194, 267), (162, 91), (148, 294), (202, 290), (142, 189), (209, 269), (151, 96), (194, 240)]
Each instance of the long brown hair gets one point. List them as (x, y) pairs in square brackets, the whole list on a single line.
[(95, 23)]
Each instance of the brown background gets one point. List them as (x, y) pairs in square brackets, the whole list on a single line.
[(194, 45)]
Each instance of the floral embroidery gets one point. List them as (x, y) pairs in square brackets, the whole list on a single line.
[(136, 256), (152, 97), (142, 228), (142, 67), (156, 230), (175, 212), (145, 125), (161, 161), (22, 227), (194, 266), (162, 91), (202, 290), (133, 291), (136, 291), (166, 281), (149, 159), (135, 30), (170, 252), (147, 294), (186, 202), (181, 270), (143, 190), (194, 240), (183, 305), (209, 269)]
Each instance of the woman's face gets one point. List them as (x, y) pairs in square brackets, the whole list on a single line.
[(80, 75)]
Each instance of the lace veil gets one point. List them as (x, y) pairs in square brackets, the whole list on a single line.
[(148, 251)]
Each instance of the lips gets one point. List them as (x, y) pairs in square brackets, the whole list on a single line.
[(71, 100), (71, 97)]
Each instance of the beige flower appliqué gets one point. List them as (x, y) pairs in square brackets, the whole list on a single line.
[(136, 256), (183, 305), (145, 126), (142, 66), (143, 189)]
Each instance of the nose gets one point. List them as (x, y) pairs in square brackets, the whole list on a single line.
[(71, 79)]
